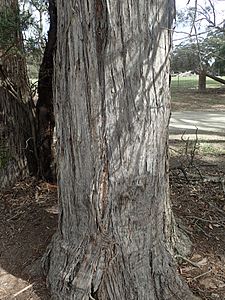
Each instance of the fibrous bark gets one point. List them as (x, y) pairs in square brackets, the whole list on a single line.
[(112, 109)]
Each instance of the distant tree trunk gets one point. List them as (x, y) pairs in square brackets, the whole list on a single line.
[(112, 109), (45, 114), (17, 129), (202, 80)]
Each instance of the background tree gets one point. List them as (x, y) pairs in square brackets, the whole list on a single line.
[(32, 125), (208, 42), (185, 56), (17, 119), (112, 112), (35, 16)]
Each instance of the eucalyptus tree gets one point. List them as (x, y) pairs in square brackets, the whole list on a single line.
[(116, 232)]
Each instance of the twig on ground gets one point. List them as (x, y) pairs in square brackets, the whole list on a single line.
[(18, 293), (23, 290), (204, 220), (15, 216), (188, 260), (184, 228), (217, 208), (201, 275), (205, 233)]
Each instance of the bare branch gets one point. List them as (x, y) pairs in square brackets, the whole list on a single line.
[(195, 16)]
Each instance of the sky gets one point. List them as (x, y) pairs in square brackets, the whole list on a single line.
[(182, 4), (220, 4)]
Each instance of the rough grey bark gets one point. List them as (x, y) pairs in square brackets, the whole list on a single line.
[(202, 80), (115, 233)]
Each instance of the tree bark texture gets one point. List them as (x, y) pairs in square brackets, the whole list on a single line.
[(114, 240), (17, 132), (202, 81), (44, 107)]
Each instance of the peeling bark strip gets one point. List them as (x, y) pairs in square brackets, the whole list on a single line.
[(112, 113)]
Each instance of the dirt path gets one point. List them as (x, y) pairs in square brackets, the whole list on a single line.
[(207, 123)]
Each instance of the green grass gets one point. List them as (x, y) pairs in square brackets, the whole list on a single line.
[(180, 148), (191, 82), (211, 148), (185, 94)]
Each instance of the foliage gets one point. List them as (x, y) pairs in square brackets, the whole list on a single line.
[(30, 20), (204, 45), (35, 35), (209, 53), (184, 58), (9, 24)]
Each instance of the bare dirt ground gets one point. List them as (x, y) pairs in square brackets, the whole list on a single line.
[(28, 219), (190, 99)]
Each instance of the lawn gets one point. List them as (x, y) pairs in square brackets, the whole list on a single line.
[(191, 82), (185, 94)]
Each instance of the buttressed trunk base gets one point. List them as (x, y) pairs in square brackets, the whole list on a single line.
[(114, 240)]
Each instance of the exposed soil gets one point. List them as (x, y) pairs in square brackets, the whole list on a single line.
[(29, 218), (191, 99)]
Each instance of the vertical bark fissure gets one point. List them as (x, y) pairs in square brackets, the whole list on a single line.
[(101, 36)]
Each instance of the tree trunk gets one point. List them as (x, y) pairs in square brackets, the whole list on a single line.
[(202, 81), (112, 115), (17, 129), (44, 107)]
